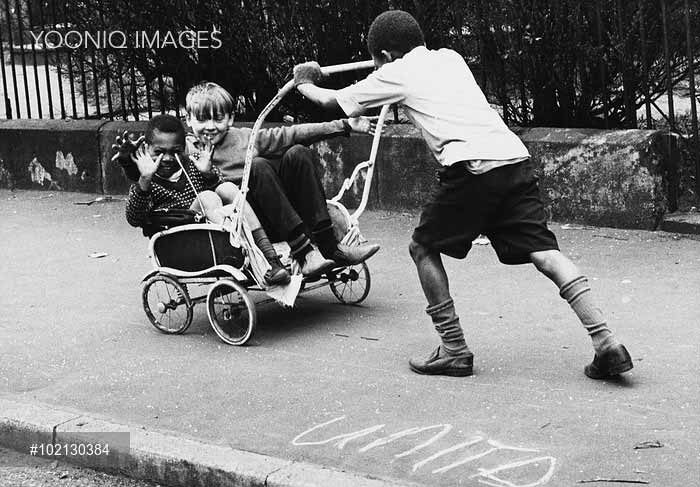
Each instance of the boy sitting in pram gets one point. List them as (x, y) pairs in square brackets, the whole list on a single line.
[(168, 179)]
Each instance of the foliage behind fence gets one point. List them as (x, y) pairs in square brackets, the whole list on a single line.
[(591, 63)]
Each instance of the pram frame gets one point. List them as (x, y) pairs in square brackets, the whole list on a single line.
[(241, 280)]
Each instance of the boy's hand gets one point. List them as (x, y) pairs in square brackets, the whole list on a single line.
[(309, 72), (202, 160), (145, 163), (364, 125), (126, 144)]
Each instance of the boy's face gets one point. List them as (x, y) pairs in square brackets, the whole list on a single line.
[(210, 129), (170, 145)]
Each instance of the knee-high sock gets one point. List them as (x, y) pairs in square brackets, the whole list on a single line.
[(579, 296), (264, 244), (299, 244), (447, 325)]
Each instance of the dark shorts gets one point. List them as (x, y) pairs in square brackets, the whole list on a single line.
[(504, 204)]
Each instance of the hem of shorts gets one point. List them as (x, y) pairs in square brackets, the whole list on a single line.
[(521, 259)]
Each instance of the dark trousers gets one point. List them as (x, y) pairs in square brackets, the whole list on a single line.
[(287, 192)]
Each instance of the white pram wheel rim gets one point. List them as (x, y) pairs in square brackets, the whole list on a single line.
[(351, 284), (231, 312), (167, 304)]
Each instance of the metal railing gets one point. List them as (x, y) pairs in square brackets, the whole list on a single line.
[(51, 71), (41, 79)]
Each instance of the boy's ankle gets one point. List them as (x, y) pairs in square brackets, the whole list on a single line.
[(325, 240), (604, 340)]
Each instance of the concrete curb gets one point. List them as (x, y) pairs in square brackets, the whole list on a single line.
[(165, 457), (682, 222)]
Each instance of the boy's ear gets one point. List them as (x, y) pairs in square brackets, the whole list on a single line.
[(388, 57), (231, 119)]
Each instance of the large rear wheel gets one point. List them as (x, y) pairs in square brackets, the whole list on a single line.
[(231, 312)]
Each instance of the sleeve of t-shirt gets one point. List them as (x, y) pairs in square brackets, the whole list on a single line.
[(383, 87)]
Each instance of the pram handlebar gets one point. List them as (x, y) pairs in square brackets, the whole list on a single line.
[(341, 68), (289, 86)]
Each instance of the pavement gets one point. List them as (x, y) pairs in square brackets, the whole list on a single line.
[(323, 395)]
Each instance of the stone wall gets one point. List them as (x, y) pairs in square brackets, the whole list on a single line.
[(611, 178)]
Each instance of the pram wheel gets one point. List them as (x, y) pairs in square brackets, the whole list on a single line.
[(167, 304), (351, 285), (231, 312)]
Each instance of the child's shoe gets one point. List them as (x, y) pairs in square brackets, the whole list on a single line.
[(452, 365), (354, 254), (611, 362), (277, 275), (314, 264)]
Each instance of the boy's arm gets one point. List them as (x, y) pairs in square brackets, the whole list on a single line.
[(306, 75), (324, 97), (140, 201), (386, 86), (138, 205), (274, 141)]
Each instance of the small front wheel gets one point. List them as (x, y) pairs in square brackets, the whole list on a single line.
[(167, 304), (231, 312), (351, 285)]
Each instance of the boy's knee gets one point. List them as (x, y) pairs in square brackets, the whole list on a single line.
[(227, 191), (299, 154), (260, 168), (417, 251), (555, 265), (209, 200), (547, 261)]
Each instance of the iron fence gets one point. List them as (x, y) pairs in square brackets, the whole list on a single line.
[(51, 71), (86, 76)]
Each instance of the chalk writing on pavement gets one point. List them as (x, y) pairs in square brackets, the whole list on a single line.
[(479, 451)]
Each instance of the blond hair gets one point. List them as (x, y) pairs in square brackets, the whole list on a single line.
[(208, 100)]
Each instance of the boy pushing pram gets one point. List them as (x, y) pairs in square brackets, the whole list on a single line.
[(486, 186)]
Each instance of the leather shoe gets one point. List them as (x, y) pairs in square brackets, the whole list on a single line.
[(354, 254), (315, 264), (609, 363), (277, 276), (455, 366)]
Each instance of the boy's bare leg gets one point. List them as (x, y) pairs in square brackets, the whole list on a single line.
[(431, 273), (556, 266), (611, 357), (453, 356), (208, 203), (228, 192)]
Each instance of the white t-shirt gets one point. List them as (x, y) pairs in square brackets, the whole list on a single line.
[(443, 100)]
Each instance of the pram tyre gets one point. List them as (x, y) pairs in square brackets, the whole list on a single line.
[(167, 304), (351, 284), (231, 312)]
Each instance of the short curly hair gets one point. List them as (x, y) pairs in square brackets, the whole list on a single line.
[(165, 123), (394, 30)]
